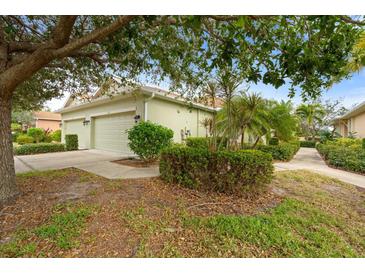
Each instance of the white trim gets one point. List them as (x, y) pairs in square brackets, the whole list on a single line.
[(146, 106), (113, 112), (74, 118)]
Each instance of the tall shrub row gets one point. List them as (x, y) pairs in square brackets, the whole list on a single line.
[(344, 153)]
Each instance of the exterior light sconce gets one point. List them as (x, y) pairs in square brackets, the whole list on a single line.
[(137, 118), (60, 124), (86, 122)]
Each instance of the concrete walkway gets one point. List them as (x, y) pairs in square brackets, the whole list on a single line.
[(94, 161), (309, 159)]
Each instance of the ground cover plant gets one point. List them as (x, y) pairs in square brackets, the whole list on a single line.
[(72, 213)]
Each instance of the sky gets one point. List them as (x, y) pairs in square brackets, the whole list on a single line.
[(349, 92)]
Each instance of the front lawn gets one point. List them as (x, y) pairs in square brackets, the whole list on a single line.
[(71, 213)]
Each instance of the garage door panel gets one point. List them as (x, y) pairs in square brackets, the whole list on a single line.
[(110, 132), (76, 127)]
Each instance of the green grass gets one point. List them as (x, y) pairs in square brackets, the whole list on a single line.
[(293, 229), (62, 230)]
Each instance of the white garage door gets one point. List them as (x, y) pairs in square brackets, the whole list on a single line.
[(77, 127), (110, 132)]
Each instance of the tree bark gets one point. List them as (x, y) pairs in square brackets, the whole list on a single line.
[(242, 136), (256, 142), (8, 187)]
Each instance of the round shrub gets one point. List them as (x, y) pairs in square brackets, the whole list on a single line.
[(147, 139), (37, 133), (56, 135), (72, 142), (24, 139)]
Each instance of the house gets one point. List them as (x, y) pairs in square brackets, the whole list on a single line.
[(47, 120), (352, 123), (101, 121)]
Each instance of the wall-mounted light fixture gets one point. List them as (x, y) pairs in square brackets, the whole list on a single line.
[(137, 118), (85, 122), (60, 124)]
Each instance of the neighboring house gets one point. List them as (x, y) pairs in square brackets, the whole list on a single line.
[(101, 121), (352, 122), (47, 120)]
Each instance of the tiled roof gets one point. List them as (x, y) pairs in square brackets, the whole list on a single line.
[(46, 115)]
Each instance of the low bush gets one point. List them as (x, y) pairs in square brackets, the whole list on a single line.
[(274, 141), (72, 142), (37, 133), (24, 139), (223, 171), (198, 142), (308, 144), (15, 135), (38, 148), (56, 135), (282, 152), (147, 139), (363, 143), (345, 154)]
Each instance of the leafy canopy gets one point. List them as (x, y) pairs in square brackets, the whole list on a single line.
[(186, 51)]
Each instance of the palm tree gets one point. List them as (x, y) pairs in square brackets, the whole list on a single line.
[(211, 91), (246, 113), (311, 114), (283, 120)]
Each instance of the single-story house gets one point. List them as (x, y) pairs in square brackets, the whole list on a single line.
[(352, 122), (47, 120), (101, 121)]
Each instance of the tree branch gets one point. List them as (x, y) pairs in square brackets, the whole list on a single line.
[(21, 23), (95, 35), (62, 32), (21, 46), (349, 20)]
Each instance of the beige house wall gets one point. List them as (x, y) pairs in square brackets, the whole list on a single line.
[(358, 125), (178, 117), (353, 124), (48, 124), (90, 112)]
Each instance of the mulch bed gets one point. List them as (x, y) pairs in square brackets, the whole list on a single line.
[(135, 163)]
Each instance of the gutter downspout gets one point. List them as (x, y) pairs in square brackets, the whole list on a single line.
[(146, 105)]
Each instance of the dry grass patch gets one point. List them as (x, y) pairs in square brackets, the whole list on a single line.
[(71, 213)]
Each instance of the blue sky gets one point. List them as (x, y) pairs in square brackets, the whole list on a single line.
[(350, 92)]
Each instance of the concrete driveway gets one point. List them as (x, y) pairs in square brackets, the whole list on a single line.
[(94, 161), (309, 159)]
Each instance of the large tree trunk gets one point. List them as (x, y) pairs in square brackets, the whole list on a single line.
[(8, 188)]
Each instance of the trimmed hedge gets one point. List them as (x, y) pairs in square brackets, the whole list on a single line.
[(282, 152), (308, 144), (223, 171), (72, 142), (24, 139), (38, 148), (350, 157)]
